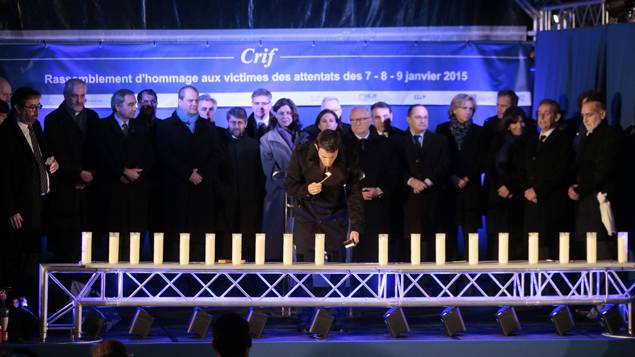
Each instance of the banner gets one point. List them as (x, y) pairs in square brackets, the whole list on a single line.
[(358, 73)]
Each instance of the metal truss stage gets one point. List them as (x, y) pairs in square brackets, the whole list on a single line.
[(330, 285)]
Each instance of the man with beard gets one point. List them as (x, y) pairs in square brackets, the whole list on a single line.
[(148, 103), (70, 132)]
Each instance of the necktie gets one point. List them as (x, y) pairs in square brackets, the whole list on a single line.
[(543, 138), (38, 157), (417, 140), (124, 129), (362, 143)]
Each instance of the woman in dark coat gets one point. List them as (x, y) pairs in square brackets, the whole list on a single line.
[(468, 150), (504, 193), (276, 147)]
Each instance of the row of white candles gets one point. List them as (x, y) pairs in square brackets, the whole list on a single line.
[(415, 248)]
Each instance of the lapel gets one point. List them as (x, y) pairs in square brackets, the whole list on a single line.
[(24, 145)]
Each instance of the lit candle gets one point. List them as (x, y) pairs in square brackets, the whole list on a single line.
[(184, 249), (135, 244), (87, 248), (533, 248), (113, 248), (287, 249), (237, 248), (210, 248), (319, 248), (473, 248), (383, 249), (622, 247), (591, 247), (158, 248), (564, 248), (503, 248), (415, 248), (439, 248), (260, 248)]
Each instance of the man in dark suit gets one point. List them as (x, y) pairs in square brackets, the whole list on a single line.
[(596, 167), (70, 132), (261, 112), (426, 168), (462, 201), (325, 201), (242, 186), (24, 182), (547, 167), (188, 154), (379, 180), (125, 158)]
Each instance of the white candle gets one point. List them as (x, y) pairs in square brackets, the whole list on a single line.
[(184, 248), (382, 259), (564, 248), (135, 244), (473, 248), (158, 248), (622, 247), (113, 248), (87, 248), (533, 248), (237, 248), (287, 249), (503, 248), (415, 248), (210, 248), (439, 248), (319, 248), (260, 248), (591, 247)]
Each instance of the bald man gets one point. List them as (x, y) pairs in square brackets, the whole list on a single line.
[(5, 90)]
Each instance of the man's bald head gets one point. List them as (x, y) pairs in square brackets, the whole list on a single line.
[(360, 121), (5, 90)]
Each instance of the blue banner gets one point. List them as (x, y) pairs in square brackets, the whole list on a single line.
[(359, 73)]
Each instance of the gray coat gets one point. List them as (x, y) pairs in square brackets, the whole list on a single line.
[(275, 155)]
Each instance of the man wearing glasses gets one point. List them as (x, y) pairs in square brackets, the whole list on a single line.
[(24, 182), (261, 112)]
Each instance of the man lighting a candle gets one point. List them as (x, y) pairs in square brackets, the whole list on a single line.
[(326, 182)]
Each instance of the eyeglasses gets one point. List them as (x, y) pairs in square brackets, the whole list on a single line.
[(34, 107)]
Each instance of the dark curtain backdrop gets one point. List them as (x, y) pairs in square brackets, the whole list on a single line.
[(601, 58), (257, 14)]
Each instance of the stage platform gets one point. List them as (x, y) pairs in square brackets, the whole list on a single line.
[(364, 335)]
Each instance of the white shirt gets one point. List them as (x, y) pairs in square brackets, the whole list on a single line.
[(365, 137), (25, 131), (546, 133), (264, 120)]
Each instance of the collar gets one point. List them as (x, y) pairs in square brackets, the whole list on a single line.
[(120, 121), (364, 137), (546, 133), (23, 126), (423, 133), (184, 117)]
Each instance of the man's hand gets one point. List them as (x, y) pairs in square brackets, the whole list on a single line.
[(371, 192), (132, 174), (572, 193), (458, 182), (16, 221), (354, 236), (530, 195), (503, 192), (86, 176), (52, 164), (195, 178), (314, 188), (417, 185)]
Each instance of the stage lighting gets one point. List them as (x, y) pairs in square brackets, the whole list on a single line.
[(94, 325), (257, 321), (507, 320), (562, 320), (321, 323), (141, 323), (199, 323), (396, 322), (612, 319), (452, 321)]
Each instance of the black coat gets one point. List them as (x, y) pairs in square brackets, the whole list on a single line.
[(74, 150), (252, 129), (431, 161), (340, 197), (378, 164), (243, 185), (187, 207), (469, 161), (20, 178), (125, 205), (547, 169)]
